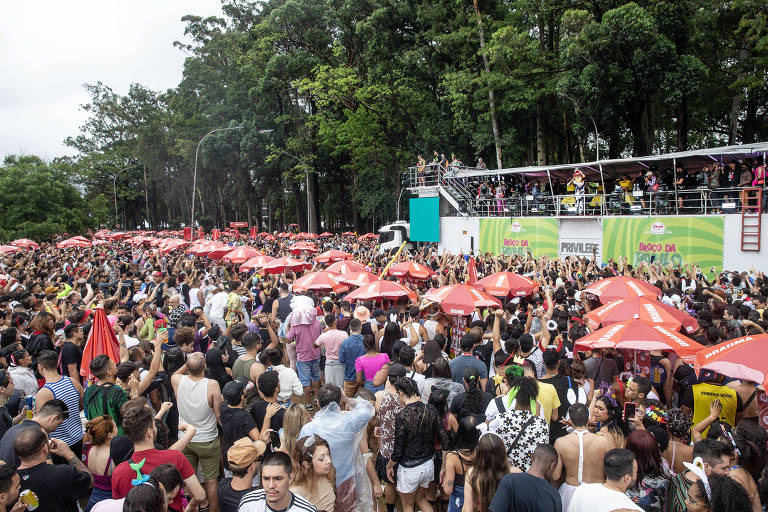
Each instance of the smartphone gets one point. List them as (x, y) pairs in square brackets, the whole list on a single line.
[(630, 409)]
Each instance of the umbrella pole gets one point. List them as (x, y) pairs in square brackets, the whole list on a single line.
[(394, 258)]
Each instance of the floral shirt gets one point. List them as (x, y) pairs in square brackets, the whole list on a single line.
[(389, 408), (532, 430)]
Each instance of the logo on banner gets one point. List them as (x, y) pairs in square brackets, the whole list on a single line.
[(658, 228), (516, 227)]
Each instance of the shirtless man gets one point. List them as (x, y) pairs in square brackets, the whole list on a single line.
[(581, 454)]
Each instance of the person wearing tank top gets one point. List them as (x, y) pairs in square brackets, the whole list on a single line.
[(64, 389), (199, 403)]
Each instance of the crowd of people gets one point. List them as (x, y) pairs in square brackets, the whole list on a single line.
[(232, 392)]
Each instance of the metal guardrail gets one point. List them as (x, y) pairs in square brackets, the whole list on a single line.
[(699, 201)]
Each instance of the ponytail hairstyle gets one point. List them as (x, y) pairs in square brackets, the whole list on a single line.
[(407, 386), (473, 403), (17, 356)]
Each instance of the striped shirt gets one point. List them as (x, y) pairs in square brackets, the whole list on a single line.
[(256, 501), (71, 430)]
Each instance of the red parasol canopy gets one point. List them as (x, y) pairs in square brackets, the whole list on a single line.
[(73, 242), (348, 233), (622, 310), (461, 299), (255, 263), (220, 252), (369, 236), (172, 245), (410, 269), (357, 278), (101, 340), (6, 249), (242, 254), (621, 287), (345, 267), (381, 290), (638, 335), (332, 255), (325, 235), (205, 249), (280, 265), (25, 243), (321, 280), (740, 358), (300, 247), (503, 284)]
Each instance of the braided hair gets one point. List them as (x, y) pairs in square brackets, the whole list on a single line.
[(473, 403)]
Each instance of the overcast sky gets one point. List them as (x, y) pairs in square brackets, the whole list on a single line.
[(48, 49)]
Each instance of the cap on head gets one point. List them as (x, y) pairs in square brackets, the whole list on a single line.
[(244, 452)]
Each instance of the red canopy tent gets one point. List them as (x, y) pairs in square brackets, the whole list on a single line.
[(280, 265), (321, 281), (621, 287), (256, 262), (503, 284), (622, 310), (638, 335), (345, 267), (101, 340), (410, 269), (25, 243), (242, 254), (332, 255), (461, 299), (740, 358), (376, 290)]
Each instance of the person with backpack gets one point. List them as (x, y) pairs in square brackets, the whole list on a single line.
[(105, 397)]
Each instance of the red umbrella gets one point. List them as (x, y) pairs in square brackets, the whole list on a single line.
[(242, 254), (381, 290), (101, 340), (740, 358), (255, 263), (348, 233), (205, 249), (410, 269), (690, 324), (332, 255), (303, 247), (325, 235), (220, 252), (345, 267), (321, 280), (621, 287), (172, 245), (461, 299), (280, 265), (5, 249), (357, 278), (25, 243), (622, 310), (73, 242), (638, 335), (369, 236), (80, 237), (503, 284), (100, 242)]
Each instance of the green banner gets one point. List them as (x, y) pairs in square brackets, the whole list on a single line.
[(519, 235), (676, 240)]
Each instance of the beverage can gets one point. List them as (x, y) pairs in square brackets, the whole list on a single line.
[(30, 403), (29, 498)]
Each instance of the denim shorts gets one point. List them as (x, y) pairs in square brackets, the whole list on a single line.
[(308, 371)]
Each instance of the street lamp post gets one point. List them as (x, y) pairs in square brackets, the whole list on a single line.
[(114, 185), (194, 175)]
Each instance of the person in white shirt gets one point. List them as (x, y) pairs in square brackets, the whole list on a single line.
[(218, 307), (290, 384), (620, 469), (22, 373)]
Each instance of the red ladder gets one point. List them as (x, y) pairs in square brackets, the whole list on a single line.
[(751, 219)]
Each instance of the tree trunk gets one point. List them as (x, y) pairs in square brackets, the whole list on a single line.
[(491, 98), (733, 129), (682, 124), (541, 154), (750, 120), (582, 149), (301, 212), (567, 138)]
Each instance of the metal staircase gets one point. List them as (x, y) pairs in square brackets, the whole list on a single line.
[(428, 179)]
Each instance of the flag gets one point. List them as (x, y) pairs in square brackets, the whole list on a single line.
[(101, 340), (472, 270)]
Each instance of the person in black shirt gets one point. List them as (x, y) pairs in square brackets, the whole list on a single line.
[(236, 422), (71, 353), (530, 491), (6, 391), (59, 488), (561, 384), (267, 413), (244, 459), (473, 400)]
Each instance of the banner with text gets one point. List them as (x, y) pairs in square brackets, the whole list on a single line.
[(519, 235), (663, 240)]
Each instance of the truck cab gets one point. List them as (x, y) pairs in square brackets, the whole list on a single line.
[(391, 236)]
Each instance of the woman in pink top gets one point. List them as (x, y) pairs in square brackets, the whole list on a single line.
[(367, 365)]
